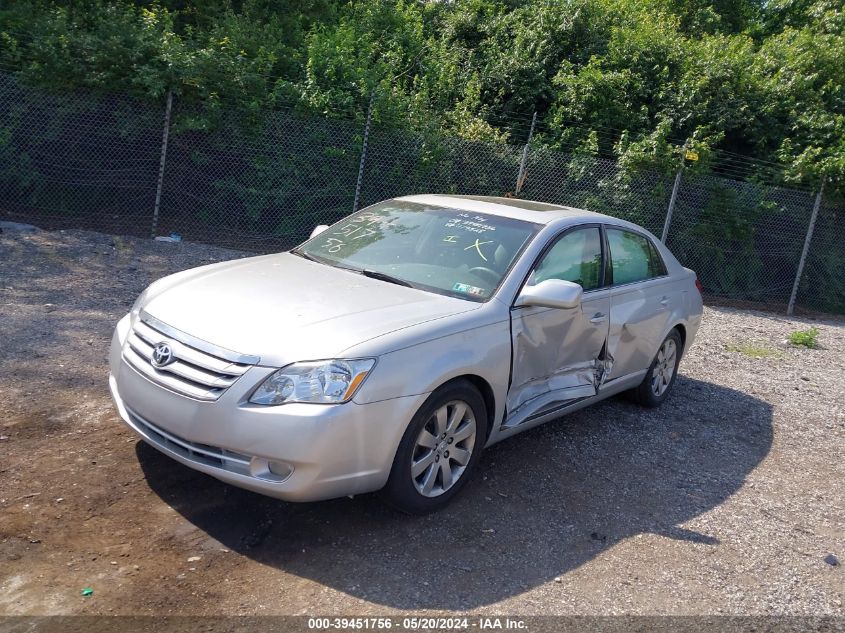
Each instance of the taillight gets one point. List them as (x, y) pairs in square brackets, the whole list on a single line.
[(698, 285)]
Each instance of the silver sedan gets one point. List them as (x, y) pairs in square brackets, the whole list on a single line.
[(389, 349)]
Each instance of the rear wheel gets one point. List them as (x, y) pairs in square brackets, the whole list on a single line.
[(660, 378), (439, 450)]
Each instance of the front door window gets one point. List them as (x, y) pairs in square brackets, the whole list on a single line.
[(558, 352)]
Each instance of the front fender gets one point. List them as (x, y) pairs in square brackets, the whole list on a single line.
[(483, 351)]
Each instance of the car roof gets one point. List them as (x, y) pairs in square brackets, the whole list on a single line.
[(527, 210)]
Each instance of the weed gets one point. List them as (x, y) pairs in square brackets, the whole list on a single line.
[(121, 246), (806, 338)]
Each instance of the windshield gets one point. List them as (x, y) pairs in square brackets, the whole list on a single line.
[(448, 251)]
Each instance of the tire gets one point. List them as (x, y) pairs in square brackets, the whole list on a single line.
[(418, 481), (657, 384)]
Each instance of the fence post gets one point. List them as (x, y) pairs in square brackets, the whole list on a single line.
[(674, 195), (671, 208), (803, 259), (164, 138), (520, 178), (363, 153)]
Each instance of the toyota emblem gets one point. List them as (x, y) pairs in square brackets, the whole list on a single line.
[(162, 354)]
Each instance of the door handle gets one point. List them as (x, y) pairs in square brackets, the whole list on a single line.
[(598, 317), (664, 300)]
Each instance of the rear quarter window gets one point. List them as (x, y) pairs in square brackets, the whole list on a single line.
[(658, 266)]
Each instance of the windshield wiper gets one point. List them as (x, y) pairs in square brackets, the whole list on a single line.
[(374, 274), (385, 277)]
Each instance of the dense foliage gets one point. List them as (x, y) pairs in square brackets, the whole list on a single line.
[(632, 79), (754, 87)]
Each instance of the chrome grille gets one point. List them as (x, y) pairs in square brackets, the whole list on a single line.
[(203, 374), (201, 453)]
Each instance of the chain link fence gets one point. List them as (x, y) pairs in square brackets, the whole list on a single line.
[(259, 187), (73, 160), (261, 180), (744, 240), (822, 284), (598, 184), (398, 164)]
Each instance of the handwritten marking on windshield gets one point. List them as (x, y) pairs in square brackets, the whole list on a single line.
[(468, 222), (333, 245), (351, 230), (477, 246), (369, 218)]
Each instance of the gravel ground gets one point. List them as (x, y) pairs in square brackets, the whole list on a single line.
[(729, 499)]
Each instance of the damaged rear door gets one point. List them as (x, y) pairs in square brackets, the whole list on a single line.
[(559, 355)]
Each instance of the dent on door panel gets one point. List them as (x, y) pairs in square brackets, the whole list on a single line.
[(556, 360), (637, 322)]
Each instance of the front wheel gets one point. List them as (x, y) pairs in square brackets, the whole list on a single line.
[(439, 449), (660, 378)]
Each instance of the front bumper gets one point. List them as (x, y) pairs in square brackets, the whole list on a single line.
[(331, 450)]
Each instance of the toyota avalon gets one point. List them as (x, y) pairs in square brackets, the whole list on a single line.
[(387, 351)]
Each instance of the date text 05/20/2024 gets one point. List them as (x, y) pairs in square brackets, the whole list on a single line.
[(417, 623)]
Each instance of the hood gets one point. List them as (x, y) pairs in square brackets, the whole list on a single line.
[(284, 308)]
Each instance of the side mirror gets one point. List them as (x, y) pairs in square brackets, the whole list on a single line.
[(551, 293), (318, 229)]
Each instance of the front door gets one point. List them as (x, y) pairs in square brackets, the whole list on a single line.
[(559, 354)]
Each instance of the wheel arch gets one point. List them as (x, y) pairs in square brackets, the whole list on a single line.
[(682, 331), (487, 394)]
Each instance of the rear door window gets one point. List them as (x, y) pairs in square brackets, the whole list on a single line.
[(633, 257)]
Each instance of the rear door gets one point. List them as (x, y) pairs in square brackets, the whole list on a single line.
[(642, 299), (557, 352)]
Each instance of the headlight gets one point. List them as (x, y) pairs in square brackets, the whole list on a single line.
[(321, 382)]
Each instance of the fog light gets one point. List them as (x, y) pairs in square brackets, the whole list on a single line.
[(280, 469), (276, 472)]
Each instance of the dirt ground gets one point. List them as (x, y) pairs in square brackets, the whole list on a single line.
[(727, 500)]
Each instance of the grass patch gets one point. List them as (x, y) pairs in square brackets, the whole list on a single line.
[(754, 350), (805, 338)]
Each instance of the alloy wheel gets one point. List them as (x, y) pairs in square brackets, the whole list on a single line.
[(664, 368), (443, 448)]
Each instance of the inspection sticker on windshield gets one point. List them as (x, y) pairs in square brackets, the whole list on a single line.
[(475, 291)]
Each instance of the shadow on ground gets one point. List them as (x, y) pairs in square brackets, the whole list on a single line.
[(540, 505)]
